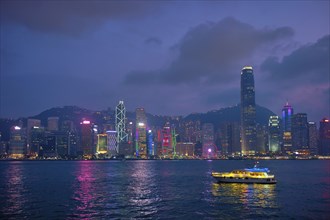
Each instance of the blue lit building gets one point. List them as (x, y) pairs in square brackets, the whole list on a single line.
[(150, 143), (287, 113)]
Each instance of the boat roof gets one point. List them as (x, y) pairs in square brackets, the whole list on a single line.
[(257, 169)]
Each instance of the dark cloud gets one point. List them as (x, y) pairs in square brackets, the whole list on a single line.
[(302, 77), (213, 52), (153, 40), (309, 63), (70, 17)]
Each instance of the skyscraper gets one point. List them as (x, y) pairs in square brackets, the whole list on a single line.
[(248, 112), (324, 137), (312, 138), (17, 144), (274, 134), (141, 133), (166, 141), (120, 123), (287, 112), (230, 138), (37, 140), (86, 139), (31, 123), (299, 131)]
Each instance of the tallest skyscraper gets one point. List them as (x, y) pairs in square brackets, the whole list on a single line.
[(248, 112)]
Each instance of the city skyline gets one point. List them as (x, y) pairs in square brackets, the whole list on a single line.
[(172, 58)]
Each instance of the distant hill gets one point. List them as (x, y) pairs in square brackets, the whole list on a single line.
[(230, 114), (72, 113)]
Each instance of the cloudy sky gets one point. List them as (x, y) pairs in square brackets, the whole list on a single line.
[(171, 57)]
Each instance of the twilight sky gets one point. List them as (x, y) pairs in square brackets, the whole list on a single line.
[(171, 57)]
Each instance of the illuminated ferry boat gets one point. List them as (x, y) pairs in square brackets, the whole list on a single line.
[(251, 175)]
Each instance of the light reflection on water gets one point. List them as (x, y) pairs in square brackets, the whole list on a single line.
[(245, 200), (143, 190), (14, 190), (83, 191), (261, 195)]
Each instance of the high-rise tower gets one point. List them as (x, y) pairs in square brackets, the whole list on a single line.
[(324, 133), (141, 133), (86, 139), (248, 112), (122, 135), (299, 131), (287, 113)]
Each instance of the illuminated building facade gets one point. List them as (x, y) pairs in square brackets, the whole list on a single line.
[(209, 148), (102, 144), (287, 113), (17, 143), (287, 142), (37, 140), (173, 138), (185, 149), (274, 134), (299, 127), (86, 139), (248, 112), (122, 135), (112, 143), (167, 150), (324, 135), (150, 144), (73, 143), (312, 138), (141, 133), (31, 123)]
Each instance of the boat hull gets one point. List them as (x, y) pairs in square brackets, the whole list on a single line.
[(245, 180)]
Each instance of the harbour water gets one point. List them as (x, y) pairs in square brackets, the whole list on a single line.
[(155, 189)]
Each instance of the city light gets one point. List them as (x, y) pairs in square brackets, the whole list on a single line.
[(85, 122), (140, 124), (17, 128)]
